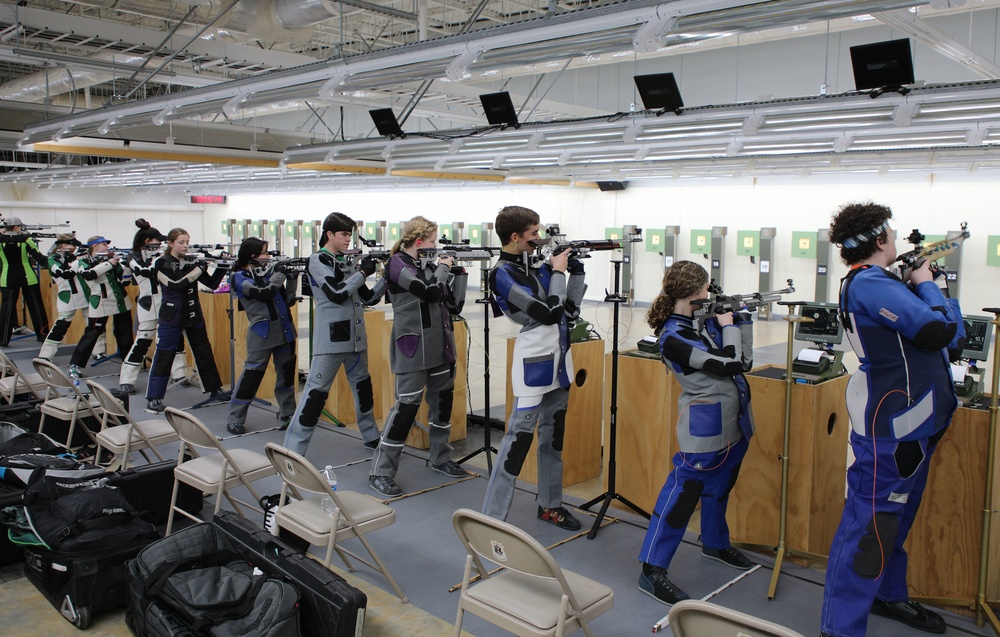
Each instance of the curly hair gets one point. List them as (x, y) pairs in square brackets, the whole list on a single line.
[(416, 228), (680, 280), (853, 226)]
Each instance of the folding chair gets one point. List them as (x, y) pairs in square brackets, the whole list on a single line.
[(72, 407), (13, 381), (121, 435), (216, 472), (532, 596), (695, 618), (356, 514)]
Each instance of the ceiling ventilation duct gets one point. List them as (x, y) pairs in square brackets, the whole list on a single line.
[(39, 86), (303, 13)]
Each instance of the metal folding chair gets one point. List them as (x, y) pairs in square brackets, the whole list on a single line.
[(354, 514), (121, 435), (216, 472), (532, 596), (71, 407)]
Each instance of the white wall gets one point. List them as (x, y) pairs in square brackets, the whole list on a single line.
[(935, 207), (109, 212)]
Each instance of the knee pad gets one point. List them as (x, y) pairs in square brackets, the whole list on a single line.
[(289, 369), (733, 476), (406, 413), (313, 408), (677, 517), (518, 452), (445, 400), (366, 399), (138, 351), (908, 456), (875, 545), (247, 388), (558, 429), (59, 330)]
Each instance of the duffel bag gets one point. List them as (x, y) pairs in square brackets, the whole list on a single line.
[(194, 582), (82, 514)]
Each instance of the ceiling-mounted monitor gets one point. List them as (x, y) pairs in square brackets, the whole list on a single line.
[(882, 65)]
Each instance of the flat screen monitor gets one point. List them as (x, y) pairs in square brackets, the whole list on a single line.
[(882, 64), (825, 326), (978, 334)]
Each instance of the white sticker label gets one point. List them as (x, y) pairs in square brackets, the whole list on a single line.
[(899, 498), (668, 261), (765, 266)]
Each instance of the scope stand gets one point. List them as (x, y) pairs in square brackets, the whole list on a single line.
[(487, 447), (782, 548), (611, 494)]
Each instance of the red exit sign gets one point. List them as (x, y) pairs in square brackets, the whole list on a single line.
[(208, 199)]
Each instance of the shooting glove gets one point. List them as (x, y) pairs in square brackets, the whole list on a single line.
[(575, 266), (367, 266), (941, 280)]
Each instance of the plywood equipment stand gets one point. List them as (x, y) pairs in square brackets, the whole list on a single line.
[(982, 604)]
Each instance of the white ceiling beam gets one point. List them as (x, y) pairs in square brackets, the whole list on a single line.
[(940, 41), (117, 32)]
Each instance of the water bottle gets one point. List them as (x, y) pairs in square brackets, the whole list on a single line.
[(327, 505)]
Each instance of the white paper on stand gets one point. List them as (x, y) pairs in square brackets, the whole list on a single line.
[(810, 355)]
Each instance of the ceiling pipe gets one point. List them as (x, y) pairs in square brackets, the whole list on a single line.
[(44, 84)]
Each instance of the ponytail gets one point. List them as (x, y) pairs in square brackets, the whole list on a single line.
[(414, 229)]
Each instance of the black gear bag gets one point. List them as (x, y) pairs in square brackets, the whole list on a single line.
[(196, 582)]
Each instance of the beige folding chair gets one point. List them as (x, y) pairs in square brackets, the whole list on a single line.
[(121, 435), (13, 381), (72, 407), (213, 472), (356, 514), (532, 596), (695, 618)]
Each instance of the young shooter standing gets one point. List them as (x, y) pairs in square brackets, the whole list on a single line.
[(541, 300), (340, 295)]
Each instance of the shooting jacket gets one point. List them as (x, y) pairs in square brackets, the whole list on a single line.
[(150, 293), (179, 289), (542, 301), (340, 295), (709, 362), (15, 268), (72, 292), (267, 304), (424, 297), (901, 336), (107, 295)]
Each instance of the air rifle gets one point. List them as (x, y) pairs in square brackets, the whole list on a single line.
[(720, 303), (937, 250), (101, 257)]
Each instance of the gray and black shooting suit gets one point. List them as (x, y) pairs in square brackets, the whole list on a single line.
[(339, 339), (422, 355)]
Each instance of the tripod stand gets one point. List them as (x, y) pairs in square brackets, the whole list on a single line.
[(982, 605), (616, 299), (487, 447)]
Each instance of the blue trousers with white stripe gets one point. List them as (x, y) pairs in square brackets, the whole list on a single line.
[(884, 488), (697, 477)]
